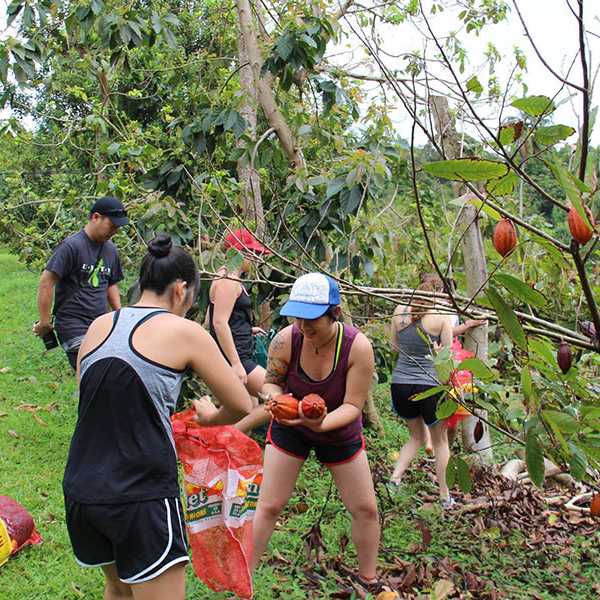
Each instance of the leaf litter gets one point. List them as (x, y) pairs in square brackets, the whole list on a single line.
[(497, 507)]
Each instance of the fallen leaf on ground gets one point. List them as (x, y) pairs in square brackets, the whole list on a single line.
[(442, 589)]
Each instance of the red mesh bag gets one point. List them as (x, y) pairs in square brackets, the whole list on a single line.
[(18, 523), (222, 476)]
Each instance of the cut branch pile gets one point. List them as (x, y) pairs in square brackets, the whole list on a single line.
[(508, 505)]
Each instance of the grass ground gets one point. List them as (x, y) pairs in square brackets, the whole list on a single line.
[(33, 449)]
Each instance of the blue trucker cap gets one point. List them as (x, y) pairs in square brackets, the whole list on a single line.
[(311, 296)]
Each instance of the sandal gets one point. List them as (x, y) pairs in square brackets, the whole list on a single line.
[(373, 586)]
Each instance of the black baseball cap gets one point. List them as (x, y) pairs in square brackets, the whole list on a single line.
[(111, 207)]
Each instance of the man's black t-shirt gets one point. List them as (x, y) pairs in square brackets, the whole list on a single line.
[(86, 269)]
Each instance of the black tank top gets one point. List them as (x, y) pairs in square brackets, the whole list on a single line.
[(240, 323)]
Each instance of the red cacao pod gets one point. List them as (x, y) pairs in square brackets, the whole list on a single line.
[(579, 229), (313, 406), (564, 358), (284, 406), (505, 237), (595, 506)]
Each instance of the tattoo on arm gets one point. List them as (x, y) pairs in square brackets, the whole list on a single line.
[(276, 371), (277, 343)]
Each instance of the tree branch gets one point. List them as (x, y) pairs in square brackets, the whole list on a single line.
[(539, 55)]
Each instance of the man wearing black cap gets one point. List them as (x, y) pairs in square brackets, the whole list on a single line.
[(85, 270)]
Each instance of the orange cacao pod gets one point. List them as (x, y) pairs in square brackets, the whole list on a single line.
[(313, 406), (595, 505), (564, 357), (284, 406), (579, 229), (505, 237)]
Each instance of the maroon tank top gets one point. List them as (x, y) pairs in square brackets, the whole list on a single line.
[(332, 389)]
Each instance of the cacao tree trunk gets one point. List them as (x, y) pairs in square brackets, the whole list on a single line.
[(252, 207), (476, 340), (264, 88)]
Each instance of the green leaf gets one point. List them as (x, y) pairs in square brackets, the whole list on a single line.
[(465, 482), (308, 40), (510, 132), (547, 136), (535, 106), (113, 148), (451, 471), (502, 186), (543, 349), (333, 187), (572, 187), (284, 46), (446, 409), (534, 458), (554, 253), (466, 169), (483, 207), (230, 120), (430, 392), (526, 383), (474, 85), (564, 422), (236, 154), (443, 367), (578, 463), (590, 413), (350, 200), (520, 289), (13, 10), (478, 368), (508, 319)]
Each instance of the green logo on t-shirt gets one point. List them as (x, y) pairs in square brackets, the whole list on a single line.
[(95, 274)]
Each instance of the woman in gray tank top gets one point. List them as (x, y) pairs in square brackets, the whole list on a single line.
[(121, 489), (416, 332)]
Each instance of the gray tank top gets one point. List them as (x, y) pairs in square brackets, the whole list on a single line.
[(414, 365), (162, 383)]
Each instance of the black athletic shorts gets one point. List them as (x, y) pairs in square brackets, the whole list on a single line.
[(142, 539), (72, 356), (406, 408), (291, 441), (248, 364)]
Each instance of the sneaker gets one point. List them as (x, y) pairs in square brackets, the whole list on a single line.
[(448, 503)]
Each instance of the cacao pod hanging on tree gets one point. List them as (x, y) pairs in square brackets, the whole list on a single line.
[(505, 237), (313, 406), (579, 229), (283, 406), (564, 357), (595, 506)]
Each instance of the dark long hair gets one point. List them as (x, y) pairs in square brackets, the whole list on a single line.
[(164, 264)]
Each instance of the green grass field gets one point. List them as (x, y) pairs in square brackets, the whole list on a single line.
[(33, 449)]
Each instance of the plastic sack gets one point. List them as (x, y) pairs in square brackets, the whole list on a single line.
[(222, 476), (17, 528)]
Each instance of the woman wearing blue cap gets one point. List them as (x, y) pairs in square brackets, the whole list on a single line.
[(320, 355)]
